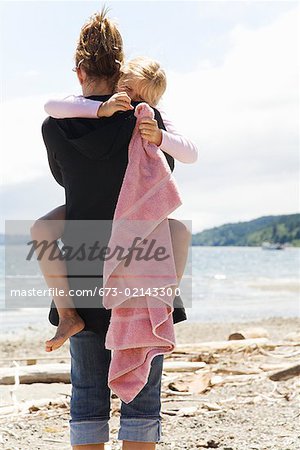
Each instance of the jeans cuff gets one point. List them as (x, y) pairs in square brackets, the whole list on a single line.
[(139, 430), (89, 432)]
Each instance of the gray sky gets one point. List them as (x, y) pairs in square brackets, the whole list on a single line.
[(233, 88)]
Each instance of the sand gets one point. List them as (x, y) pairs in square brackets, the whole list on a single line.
[(254, 415)]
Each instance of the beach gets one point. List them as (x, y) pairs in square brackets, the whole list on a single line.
[(253, 412)]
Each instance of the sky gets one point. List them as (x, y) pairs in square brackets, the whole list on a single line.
[(233, 88)]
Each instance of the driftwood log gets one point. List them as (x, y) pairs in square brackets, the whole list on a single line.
[(38, 373), (286, 374)]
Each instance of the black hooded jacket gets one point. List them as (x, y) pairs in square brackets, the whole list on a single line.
[(88, 157)]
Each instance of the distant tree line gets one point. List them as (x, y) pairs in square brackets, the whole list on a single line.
[(283, 229)]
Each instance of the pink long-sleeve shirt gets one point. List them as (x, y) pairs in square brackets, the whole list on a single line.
[(173, 142)]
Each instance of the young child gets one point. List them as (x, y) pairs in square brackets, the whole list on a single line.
[(142, 79)]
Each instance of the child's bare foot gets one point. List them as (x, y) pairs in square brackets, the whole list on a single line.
[(67, 327)]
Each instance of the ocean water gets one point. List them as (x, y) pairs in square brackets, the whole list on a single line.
[(228, 284)]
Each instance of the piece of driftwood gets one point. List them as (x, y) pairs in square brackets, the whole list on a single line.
[(268, 367), (184, 412), (212, 406), (249, 333), (191, 383), (286, 374), (182, 366), (237, 370), (201, 382), (188, 411), (38, 373), (175, 393)]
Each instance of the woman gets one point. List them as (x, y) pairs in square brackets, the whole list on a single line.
[(92, 177)]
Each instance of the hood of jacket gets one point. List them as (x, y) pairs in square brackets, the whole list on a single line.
[(99, 139)]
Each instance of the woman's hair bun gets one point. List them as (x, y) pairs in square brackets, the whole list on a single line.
[(100, 47)]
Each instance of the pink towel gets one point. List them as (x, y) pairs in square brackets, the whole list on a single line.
[(141, 324)]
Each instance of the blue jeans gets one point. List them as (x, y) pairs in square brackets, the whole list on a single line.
[(140, 420)]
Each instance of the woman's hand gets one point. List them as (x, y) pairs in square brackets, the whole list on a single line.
[(149, 130), (117, 102)]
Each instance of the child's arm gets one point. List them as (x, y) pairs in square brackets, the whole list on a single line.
[(170, 141), (79, 106), (175, 144), (72, 106)]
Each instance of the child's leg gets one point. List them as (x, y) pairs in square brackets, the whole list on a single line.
[(181, 238), (49, 228)]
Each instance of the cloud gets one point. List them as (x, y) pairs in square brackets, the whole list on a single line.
[(256, 86)]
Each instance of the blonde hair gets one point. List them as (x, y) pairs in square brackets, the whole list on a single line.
[(100, 48), (149, 78)]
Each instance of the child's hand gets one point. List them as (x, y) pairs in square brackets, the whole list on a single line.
[(117, 102), (149, 130)]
